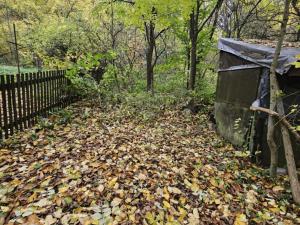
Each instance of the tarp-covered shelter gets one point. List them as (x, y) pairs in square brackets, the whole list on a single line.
[(243, 80)]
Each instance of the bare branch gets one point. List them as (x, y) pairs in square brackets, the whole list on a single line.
[(282, 120)]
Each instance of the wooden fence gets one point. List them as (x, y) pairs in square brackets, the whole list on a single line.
[(25, 97)]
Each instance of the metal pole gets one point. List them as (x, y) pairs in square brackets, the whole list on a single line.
[(17, 49)]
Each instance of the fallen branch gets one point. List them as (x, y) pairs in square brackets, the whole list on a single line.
[(282, 120)]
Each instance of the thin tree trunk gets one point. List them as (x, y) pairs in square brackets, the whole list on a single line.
[(271, 129), (273, 92), (149, 56), (113, 43), (188, 65), (193, 66), (193, 50), (7, 14)]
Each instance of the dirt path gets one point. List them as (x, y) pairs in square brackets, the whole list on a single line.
[(105, 169)]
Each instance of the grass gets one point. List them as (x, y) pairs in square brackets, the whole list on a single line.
[(4, 69)]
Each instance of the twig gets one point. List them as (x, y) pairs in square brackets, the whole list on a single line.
[(282, 120)]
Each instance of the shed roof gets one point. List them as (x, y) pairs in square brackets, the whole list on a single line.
[(260, 54)]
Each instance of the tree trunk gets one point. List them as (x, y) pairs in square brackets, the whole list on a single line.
[(273, 92), (113, 42), (193, 66), (270, 137), (188, 63), (193, 50), (149, 56)]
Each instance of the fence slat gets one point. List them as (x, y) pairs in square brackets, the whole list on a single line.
[(43, 104), (9, 105), (24, 101), (4, 106), (19, 100), (28, 99), (47, 90), (14, 102), (35, 108), (1, 113), (38, 99)]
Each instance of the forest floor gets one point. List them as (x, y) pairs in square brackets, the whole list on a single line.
[(104, 168)]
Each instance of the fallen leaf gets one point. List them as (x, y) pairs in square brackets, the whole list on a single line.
[(115, 202), (240, 219)]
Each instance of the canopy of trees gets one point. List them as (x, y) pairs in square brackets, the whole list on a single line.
[(150, 37)]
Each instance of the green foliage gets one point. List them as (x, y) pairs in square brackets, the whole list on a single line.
[(61, 117), (82, 82), (64, 116), (206, 88)]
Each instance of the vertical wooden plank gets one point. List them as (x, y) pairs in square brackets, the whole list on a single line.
[(1, 109), (38, 83), (4, 106), (28, 110), (31, 99), (58, 90), (48, 90), (52, 90), (20, 104), (45, 94), (42, 93), (55, 88), (35, 98), (64, 90), (14, 101), (24, 101), (9, 105)]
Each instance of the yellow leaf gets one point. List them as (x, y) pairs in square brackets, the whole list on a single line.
[(4, 209), (112, 182), (278, 188), (214, 182), (166, 205), (195, 187), (63, 189), (182, 214), (150, 218), (166, 194), (132, 217), (275, 210), (187, 183), (32, 197), (45, 183), (241, 219)]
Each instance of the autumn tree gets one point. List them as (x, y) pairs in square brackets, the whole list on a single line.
[(201, 13)]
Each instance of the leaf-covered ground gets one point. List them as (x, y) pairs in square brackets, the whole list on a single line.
[(103, 168)]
